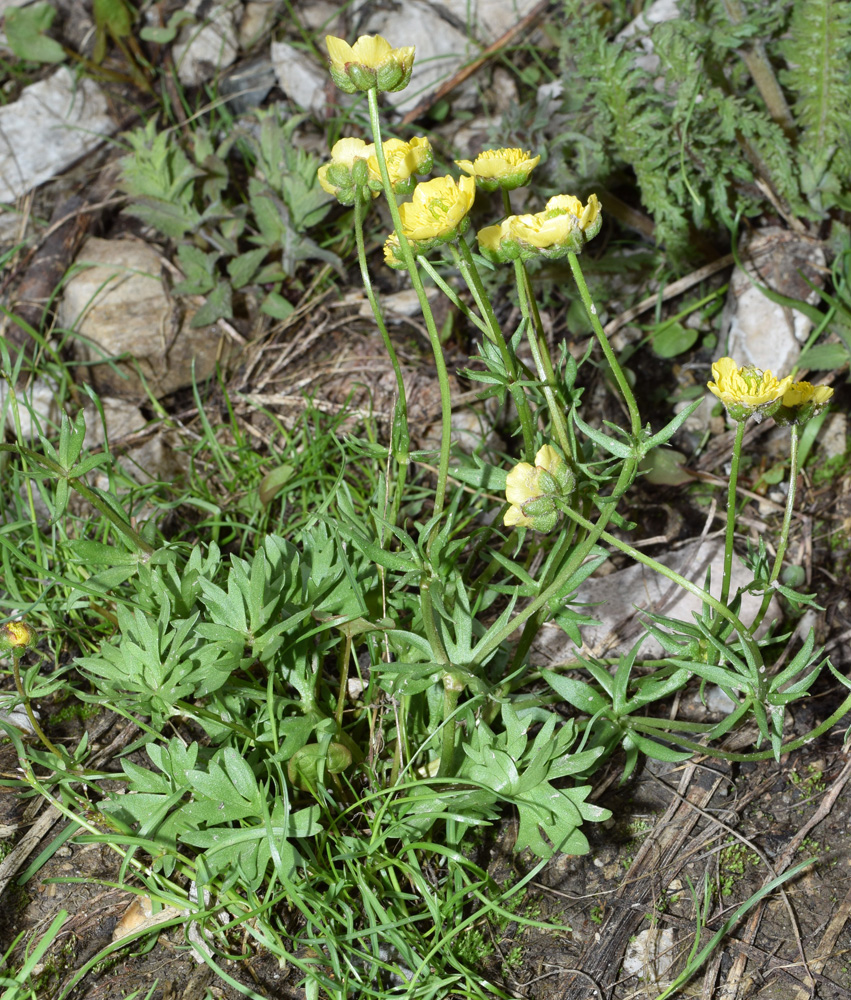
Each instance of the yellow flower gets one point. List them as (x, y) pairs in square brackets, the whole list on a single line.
[(437, 211), (348, 172), (404, 159), (800, 402), (801, 393), (491, 237), (747, 391), (585, 215), (16, 636), (533, 485), (500, 168), (393, 252), (541, 230), (370, 63), (565, 226)]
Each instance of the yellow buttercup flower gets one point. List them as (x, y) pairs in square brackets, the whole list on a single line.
[(532, 489), (500, 168), (371, 63), (491, 237), (404, 159), (585, 215), (747, 392), (347, 175), (800, 393), (437, 212), (16, 636), (565, 226), (801, 401), (541, 230), (393, 252)]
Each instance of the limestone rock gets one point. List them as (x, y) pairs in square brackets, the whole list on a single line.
[(117, 306), (761, 332), (203, 48), (52, 124)]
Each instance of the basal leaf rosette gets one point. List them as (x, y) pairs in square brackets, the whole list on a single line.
[(404, 159), (748, 391), (371, 63), (436, 214), (534, 491), (565, 226), (347, 175), (500, 168), (801, 402)]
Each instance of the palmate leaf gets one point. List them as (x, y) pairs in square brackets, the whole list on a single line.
[(516, 773)]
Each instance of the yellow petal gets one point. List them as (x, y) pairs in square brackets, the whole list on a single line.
[(548, 458), (521, 484), (515, 518), (372, 51), (340, 52)]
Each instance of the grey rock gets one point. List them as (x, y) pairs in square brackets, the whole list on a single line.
[(204, 48), (117, 305), (758, 331), (52, 124), (299, 77)]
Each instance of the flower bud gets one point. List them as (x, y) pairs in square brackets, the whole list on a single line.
[(533, 491), (16, 636)]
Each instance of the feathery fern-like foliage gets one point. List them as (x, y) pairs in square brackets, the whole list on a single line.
[(682, 105), (818, 53)]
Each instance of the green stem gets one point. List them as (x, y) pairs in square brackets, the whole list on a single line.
[(492, 640), (453, 296), (28, 709), (674, 577), (400, 434), (784, 531), (614, 364), (541, 356), (731, 513), (451, 693), (86, 492), (434, 338), (470, 273)]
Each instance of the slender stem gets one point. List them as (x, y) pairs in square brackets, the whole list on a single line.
[(28, 709), (434, 338), (453, 296), (451, 693), (85, 491), (541, 356), (674, 577), (731, 512), (400, 434), (614, 364), (470, 273), (784, 531)]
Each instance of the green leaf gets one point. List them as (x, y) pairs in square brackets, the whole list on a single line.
[(673, 339), (218, 306), (825, 357), (162, 36), (580, 695), (25, 29), (273, 482), (243, 268), (485, 477), (276, 306)]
